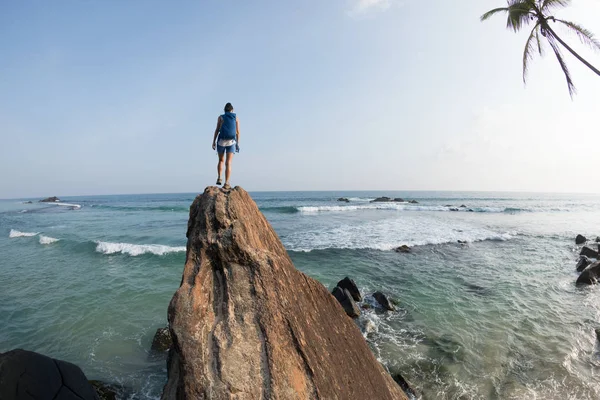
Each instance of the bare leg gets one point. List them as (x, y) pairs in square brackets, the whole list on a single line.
[(228, 167), (220, 165)]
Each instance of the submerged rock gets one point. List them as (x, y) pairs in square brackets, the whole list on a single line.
[(108, 391), (413, 202), (402, 249), (383, 301), (403, 383), (247, 325), (162, 340), (383, 199), (52, 199), (349, 284), (586, 251), (590, 275), (399, 200), (580, 239), (344, 199), (582, 263), (26, 375)]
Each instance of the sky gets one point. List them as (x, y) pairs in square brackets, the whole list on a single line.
[(110, 97)]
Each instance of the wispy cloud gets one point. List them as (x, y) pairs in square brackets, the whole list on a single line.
[(363, 6)]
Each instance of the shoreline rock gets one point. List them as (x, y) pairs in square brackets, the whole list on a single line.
[(246, 324), (350, 285), (344, 297), (580, 239), (52, 199), (383, 300), (343, 199), (590, 275), (162, 340), (586, 251)]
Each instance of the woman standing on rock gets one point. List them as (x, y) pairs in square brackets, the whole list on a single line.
[(228, 132)]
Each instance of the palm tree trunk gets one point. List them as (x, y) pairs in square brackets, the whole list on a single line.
[(590, 66)]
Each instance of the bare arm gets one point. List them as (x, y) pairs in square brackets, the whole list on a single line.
[(219, 123), (237, 130)]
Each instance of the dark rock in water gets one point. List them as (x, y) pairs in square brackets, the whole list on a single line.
[(366, 306), (399, 200), (246, 324), (344, 297), (383, 301), (162, 340), (406, 387), (350, 285), (463, 206), (597, 239), (580, 239), (454, 209), (32, 376), (344, 199), (28, 202), (108, 391), (470, 210), (476, 289), (582, 263), (590, 275), (448, 205), (52, 199), (402, 249), (597, 330), (383, 199), (413, 202), (462, 241), (586, 251)]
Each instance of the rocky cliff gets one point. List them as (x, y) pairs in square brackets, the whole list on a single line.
[(247, 325)]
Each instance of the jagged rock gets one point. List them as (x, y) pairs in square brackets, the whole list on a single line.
[(586, 251), (454, 209), (26, 375), (580, 239), (247, 325), (162, 340), (470, 210), (349, 284), (597, 239), (383, 301), (399, 200), (345, 299), (107, 391), (582, 263), (52, 199), (597, 330), (448, 205), (413, 202), (406, 387), (462, 241), (463, 206), (402, 249), (590, 275), (344, 199), (383, 199)]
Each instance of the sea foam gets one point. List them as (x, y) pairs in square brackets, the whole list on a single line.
[(47, 239), (15, 234), (136, 249), (73, 206)]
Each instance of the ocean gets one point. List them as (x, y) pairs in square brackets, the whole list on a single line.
[(498, 317)]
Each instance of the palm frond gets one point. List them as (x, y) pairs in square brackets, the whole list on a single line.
[(529, 49), (495, 11), (563, 64), (586, 36), (551, 4), (539, 42), (519, 13)]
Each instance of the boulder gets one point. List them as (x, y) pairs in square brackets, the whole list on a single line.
[(344, 199), (33, 376), (586, 251), (590, 275), (52, 199), (108, 391), (597, 239), (462, 241), (580, 239), (597, 330), (399, 200), (402, 249), (582, 263), (448, 205), (413, 202), (406, 387), (463, 206), (247, 325), (454, 209), (383, 301), (345, 298), (349, 284), (162, 340), (383, 199)]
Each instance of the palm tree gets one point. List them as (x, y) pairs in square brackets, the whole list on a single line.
[(522, 12)]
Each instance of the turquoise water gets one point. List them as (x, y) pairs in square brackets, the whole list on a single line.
[(89, 281)]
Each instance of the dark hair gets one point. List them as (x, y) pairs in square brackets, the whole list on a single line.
[(228, 107)]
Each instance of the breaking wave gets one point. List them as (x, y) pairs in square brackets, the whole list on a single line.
[(47, 239), (14, 234), (136, 249)]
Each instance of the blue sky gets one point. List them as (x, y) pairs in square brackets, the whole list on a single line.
[(103, 97)]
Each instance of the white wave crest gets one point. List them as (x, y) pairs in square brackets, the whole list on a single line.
[(399, 207), (14, 234), (136, 249), (74, 206), (47, 239)]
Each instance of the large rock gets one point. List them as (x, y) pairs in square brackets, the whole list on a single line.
[(52, 199), (590, 275), (586, 251), (349, 284), (344, 297), (344, 199), (582, 263), (247, 325), (383, 199), (162, 340), (580, 239), (383, 301), (32, 376)]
